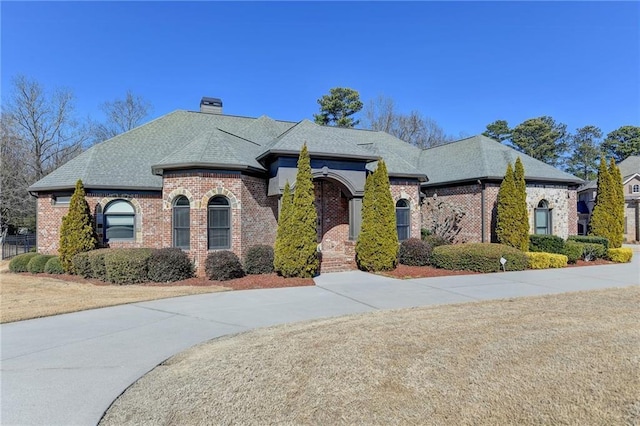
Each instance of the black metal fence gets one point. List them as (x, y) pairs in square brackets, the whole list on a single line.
[(13, 245)]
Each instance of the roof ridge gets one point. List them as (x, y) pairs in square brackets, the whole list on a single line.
[(233, 115)]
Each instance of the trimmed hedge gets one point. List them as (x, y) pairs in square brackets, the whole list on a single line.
[(435, 241), (98, 267), (53, 266), (620, 255), (590, 239), (546, 244), (169, 265), (573, 251), (541, 260), (479, 257), (259, 260), (20, 262), (81, 264), (127, 266), (36, 264), (414, 252), (223, 265), (592, 251)]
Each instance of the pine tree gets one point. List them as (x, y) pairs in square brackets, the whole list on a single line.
[(522, 212), (509, 218), (602, 218), (617, 230), (76, 232), (282, 246), (301, 252), (377, 245)]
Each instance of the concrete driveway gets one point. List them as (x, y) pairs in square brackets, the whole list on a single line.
[(68, 369)]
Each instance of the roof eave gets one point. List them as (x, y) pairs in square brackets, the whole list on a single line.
[(159, 169), (90, 187), (499, 178), (317, 154)]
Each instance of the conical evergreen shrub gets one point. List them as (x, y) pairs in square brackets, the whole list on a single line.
[(602, 222), (377, 246), (282, 246), (617, 231), (509, 220), (301, 258), (76, 232), (521, 207)]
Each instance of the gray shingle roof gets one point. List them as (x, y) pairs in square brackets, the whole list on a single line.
[(480, 157), (629, 166)]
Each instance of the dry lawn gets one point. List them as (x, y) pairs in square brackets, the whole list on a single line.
[(26, 296), (562, 359)]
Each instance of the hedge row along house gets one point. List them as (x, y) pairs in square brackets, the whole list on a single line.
[(205, 181)]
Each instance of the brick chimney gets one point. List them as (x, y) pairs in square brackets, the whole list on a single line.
[(211, 105)]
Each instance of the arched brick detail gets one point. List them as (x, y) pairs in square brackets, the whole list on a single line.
[(413, 205), (235, 203), (167, 204)]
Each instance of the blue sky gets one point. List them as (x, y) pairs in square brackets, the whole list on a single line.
[(462, 64)]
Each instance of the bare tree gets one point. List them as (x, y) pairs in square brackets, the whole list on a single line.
[(39, 133), (414, 128), (122, 115)]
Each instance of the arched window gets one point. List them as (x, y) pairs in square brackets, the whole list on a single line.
[(119, 221), (181, 222), (543, 218), (403, 219), (219, 223)]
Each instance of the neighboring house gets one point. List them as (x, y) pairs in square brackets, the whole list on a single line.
[(466, 175), (205, 181), (630, 171)]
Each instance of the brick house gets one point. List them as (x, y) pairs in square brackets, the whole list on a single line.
[(205, 181), (630, 171), (465, 176)]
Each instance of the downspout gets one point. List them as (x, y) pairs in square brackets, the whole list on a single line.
[(482, 209)]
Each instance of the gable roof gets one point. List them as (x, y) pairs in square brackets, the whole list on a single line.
[(629, 166), (480, 157)]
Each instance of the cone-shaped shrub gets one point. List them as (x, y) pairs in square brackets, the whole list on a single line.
[(603, 221), (510, 223), (521, 207), (76, 233), (377, 245), (300, 252), (617, 232), (282, 245)]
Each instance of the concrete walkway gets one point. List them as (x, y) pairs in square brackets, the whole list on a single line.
[(68, 369)]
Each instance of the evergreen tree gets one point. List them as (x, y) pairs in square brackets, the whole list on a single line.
[(338, 107), (617, 231), (282, 246), (522, 212), (602, 219), (76, 232), (301, 251), (509, 217), (377, 246)]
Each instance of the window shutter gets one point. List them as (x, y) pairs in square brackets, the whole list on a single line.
[(630, 189)]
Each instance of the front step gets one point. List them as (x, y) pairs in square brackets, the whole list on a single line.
[(336, 262)]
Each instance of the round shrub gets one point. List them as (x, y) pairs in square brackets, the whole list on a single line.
[(20, 262), (414, 252), (36, 264), (127, 266), (573, 251), (53, 266), (223, 265), (169, 265), (259, 260), (620, 255), (479, 257), (81, 264)]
